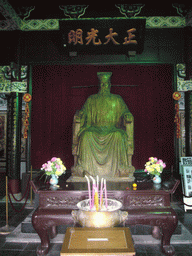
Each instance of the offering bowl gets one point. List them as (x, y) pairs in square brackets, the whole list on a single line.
[(104, 218)]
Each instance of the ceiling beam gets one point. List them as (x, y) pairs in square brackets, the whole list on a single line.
[(9, 13)]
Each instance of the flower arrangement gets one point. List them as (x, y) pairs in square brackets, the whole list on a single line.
[(54, 166), (154, 166)]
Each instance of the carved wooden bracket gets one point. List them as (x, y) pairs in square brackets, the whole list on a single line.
[(73, 11), (182, 9), (182, 85), (130, 10)]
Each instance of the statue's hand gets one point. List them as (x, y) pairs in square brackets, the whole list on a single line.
[(81, 130), (81, 113), (128, 117)]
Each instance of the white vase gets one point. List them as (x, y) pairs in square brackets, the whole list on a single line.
[(157, 179)]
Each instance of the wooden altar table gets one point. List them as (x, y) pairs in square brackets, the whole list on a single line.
[(148, 205)]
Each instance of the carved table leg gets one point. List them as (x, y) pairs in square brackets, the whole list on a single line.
[(45, 222), (167, 230), (164, 218), (44, 247), (53, 232), (42, 230), (156, 233)]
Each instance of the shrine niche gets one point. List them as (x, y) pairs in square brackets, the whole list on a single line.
[(146, 90)]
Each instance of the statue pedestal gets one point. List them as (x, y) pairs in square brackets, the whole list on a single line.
[(112, 179)]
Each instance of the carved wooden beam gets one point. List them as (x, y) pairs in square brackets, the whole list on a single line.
[(9, 13)]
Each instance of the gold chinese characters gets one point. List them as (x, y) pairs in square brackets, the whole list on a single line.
[(76, 37)]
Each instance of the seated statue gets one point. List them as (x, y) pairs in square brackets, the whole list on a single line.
[(103, 145)]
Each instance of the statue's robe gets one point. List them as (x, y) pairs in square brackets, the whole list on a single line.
[(103, 145)]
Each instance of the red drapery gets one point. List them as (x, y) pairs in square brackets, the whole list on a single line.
[(55, 101)]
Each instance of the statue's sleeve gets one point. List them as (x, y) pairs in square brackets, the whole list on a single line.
[(129, 126), (84, 116), (126, 114)]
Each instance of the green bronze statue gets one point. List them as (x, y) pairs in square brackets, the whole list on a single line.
[(105, 139)]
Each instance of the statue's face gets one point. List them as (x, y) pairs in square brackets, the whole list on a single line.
[(105, 83)]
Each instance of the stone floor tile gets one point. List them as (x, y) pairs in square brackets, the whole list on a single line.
[(53, 253), (27, 253), (141, 254), (56, 247), (184, 253), (1, 244), (153, 250), (31, 246), (10, 252), (14, 246)]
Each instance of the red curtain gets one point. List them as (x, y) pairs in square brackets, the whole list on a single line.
[(58, 92)]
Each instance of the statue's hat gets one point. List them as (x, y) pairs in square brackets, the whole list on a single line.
[(104, 74)]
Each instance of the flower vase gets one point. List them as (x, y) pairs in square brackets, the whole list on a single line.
[(54, 180), (157, 179)]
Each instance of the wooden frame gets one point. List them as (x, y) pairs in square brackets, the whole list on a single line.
[(3, 131), (23, 141)]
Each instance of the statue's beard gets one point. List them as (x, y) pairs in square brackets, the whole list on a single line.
[(104, 91)]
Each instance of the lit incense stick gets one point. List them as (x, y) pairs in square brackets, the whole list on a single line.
[(101, 194), (93, 190), (97, 183), (105, 188), (96, 199), (89, 190)]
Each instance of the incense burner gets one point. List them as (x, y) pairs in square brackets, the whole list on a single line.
[(104, 218)]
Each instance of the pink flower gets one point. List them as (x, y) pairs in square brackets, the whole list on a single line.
[(145, 170), (49, 168), (53, 159), (44, 166), (57, 166), (161, 163)]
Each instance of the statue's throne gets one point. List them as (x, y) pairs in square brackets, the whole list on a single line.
[(128, 126)]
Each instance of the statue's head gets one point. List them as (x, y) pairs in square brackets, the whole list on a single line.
[(104, 80)]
